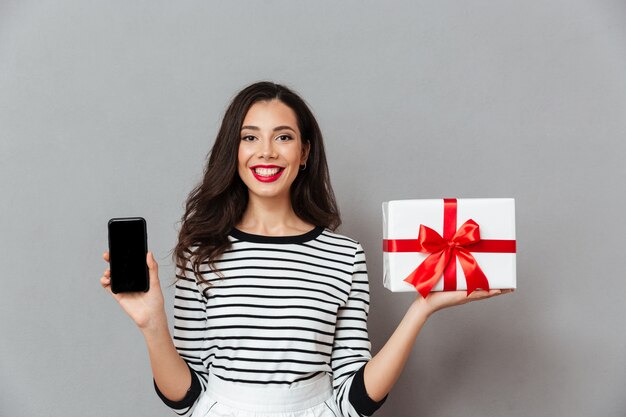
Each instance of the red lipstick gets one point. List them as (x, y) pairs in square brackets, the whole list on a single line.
[(267, 173)]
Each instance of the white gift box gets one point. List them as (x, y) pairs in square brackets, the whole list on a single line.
[(494, 216)]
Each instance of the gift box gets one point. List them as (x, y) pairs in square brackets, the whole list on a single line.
[(449, 244)]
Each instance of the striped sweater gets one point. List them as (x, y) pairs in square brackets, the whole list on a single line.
[(285, 311)]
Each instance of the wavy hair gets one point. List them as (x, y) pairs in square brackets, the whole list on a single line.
[(218, 202)]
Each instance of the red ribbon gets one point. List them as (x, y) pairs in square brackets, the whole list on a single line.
[(445, 250)]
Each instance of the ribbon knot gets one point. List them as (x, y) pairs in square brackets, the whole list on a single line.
[(443, 255)]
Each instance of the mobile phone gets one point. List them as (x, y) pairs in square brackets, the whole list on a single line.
[(128, 247)]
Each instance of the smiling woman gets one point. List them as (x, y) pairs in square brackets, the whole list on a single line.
[(223, 199), (271, 304), (271, 151)]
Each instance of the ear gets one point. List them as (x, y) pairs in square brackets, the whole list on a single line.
[(306, 148)]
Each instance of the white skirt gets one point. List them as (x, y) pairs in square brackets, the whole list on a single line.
[(228, 399)]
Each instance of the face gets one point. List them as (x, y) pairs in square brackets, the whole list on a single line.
[(271, 150)]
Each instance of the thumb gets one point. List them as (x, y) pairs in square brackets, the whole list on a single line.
[(153, 269)]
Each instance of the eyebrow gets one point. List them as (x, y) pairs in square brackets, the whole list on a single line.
[(276, 129)]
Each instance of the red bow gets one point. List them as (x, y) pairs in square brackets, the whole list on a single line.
[(442, 258)]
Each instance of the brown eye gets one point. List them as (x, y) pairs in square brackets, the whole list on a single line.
[(248, 138), (283, 138)]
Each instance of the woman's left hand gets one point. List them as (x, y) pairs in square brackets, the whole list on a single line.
[(439, 300)]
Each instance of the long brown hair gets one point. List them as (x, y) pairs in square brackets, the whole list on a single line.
[(217, 204)]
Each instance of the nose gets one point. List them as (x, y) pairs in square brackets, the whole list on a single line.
[(267, 149)]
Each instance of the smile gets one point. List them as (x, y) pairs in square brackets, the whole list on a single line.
[(267, 173)]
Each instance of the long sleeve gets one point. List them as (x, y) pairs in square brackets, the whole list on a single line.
[(189, 338), (351, 347), (282, 311)]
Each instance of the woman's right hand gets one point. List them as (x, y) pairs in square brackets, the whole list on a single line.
[(146, 309)]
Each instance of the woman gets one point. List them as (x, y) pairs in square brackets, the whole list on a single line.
[(271, 304)]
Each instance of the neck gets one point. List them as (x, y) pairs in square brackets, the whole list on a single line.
[(272, 217)]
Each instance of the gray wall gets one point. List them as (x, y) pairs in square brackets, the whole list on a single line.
[(109, 108)]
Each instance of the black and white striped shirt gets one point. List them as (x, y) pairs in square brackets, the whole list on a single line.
[(286, 310)]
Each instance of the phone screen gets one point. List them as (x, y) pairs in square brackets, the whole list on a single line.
[(128, 247)]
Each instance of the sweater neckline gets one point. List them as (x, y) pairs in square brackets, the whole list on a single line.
[(249, 237)]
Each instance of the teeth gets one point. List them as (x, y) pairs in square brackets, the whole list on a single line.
[(266, 172)]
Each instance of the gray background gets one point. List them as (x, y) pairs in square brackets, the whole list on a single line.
[(109, 108)]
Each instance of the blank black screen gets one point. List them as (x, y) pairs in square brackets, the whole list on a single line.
[(128, 249)]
